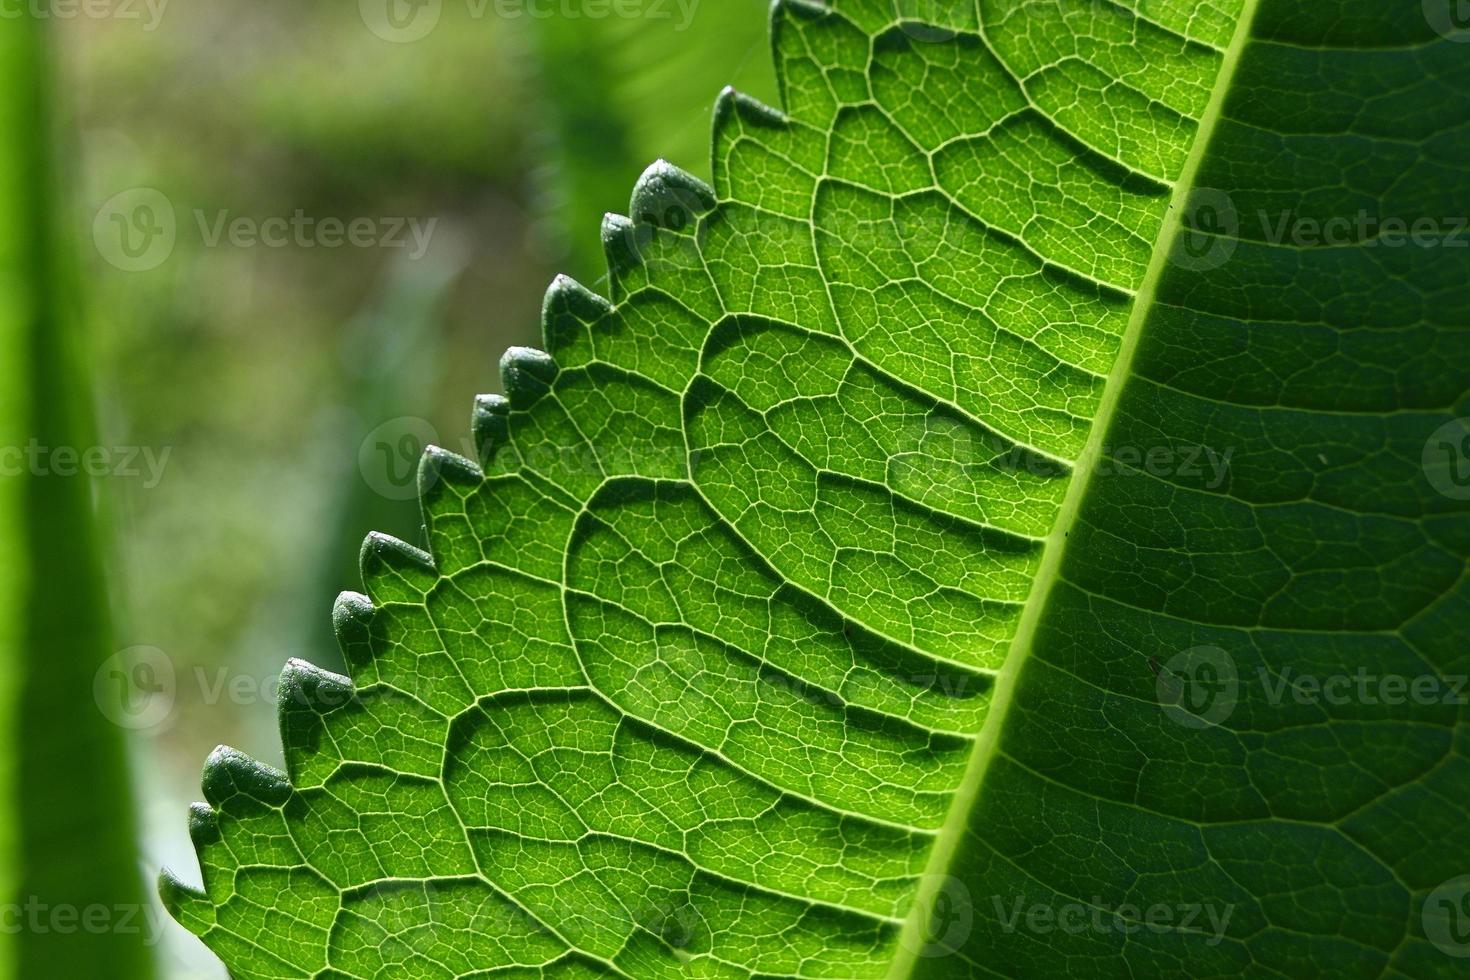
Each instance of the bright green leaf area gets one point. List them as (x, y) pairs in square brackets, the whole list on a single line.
[(804, 585)]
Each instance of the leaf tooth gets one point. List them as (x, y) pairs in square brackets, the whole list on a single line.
[(307, 695), (203, 825), (305, 685), (736, 104), (446, 484), (619, 245), (440, 466), (386, 549), (187, 904), (579, 298), (527, 374), (568, 309), (229, 773), (387, 561), (489, 425), (351, 613), (352, 616), (206, 836), (669, 198)]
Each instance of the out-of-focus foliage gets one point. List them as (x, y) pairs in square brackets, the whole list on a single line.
[(620, 93), (63, 780)]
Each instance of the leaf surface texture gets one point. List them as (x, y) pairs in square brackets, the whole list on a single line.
[(804, 575)]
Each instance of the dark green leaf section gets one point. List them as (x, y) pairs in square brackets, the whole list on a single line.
[(1317, 820), (773, 553)]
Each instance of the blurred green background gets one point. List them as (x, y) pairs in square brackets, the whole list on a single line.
[(273, 394)]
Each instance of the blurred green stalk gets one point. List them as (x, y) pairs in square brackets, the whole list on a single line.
[(617, 94), (71, 894)]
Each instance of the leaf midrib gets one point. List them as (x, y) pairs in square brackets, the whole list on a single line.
[(987, 743)]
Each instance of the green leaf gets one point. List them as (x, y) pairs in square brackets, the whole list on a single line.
[(65, 910), (897, 574)]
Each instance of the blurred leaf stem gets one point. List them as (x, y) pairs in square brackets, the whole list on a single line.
[(69, 868)]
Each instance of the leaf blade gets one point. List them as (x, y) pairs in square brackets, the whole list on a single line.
[(744, 604)]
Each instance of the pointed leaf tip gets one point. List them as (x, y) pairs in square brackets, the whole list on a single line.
[(438, 465), (527, 374)]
